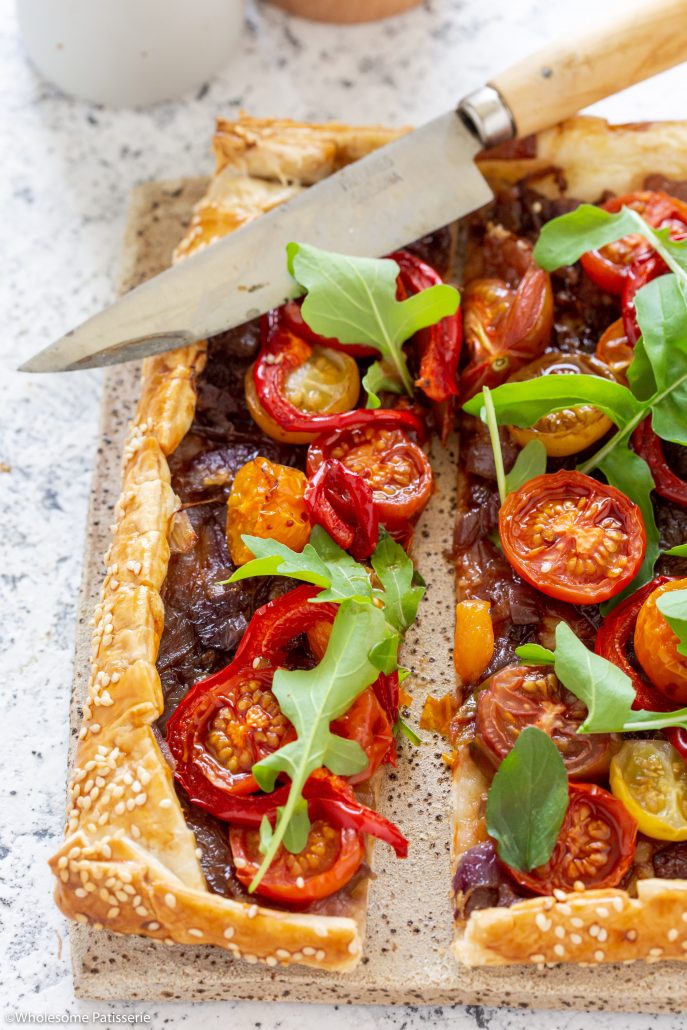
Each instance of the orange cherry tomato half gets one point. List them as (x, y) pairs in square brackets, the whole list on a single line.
[(656, 646), (572, 537), (266, 500), (609, 266), (395, 468), (615, 350), (330, 858), (524, 695), (595, 847)]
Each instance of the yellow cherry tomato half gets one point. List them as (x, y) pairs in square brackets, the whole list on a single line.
[(266, 500), (650, 778), (656, 646), (573, 429), (326, 383)]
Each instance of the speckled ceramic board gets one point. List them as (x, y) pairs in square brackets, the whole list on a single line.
[(406, 955)]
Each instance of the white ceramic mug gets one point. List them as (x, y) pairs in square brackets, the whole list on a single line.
[(127, 53)]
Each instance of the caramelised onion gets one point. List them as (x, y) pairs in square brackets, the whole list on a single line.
[(670, 863), (481, 881)]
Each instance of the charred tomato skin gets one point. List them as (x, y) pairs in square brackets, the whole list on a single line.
[(331, 857), (520, 695), (595, 847), (572, 537)]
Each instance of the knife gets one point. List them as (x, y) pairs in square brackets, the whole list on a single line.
[(423, 180)]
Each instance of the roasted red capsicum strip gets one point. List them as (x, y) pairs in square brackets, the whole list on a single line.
[(649, 446), (340, 501)]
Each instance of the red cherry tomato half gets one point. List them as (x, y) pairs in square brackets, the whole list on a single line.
[(523, 695), (650, 447), (572, 537), (609, 266), (395, 468), (595, 847), (329, 859)]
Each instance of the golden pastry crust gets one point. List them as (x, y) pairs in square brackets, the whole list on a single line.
[(597, 925), (129, 862)]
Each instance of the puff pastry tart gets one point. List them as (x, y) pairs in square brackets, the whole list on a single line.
[(237, 723), (565, 629)]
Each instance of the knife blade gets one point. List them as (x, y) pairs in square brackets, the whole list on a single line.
[(393, 196), (361, 210)]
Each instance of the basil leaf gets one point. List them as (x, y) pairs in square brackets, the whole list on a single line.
[(528, 800), (353, 299), (530, 462), (535, 654), (378, 378), (630, 474), (311, 699), (321, 562), (402, 587), (523, 404), (673, 608)]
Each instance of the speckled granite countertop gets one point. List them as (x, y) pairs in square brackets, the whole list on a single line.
[(67, 171)]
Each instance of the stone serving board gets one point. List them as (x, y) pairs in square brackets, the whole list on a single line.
[(406, 955)]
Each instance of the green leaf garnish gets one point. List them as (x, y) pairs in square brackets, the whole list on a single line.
[(376, 379), (679, 551), (535, 654), (605, 689), (528, 800), (673, 607), (530, 462), (493, 427), (403, 728), (321, 562), (353, 299), (402, 586), (311, 699), (384, 655)]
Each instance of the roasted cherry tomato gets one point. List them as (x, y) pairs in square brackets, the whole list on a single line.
[(572, 537), (223, 726), (647, 267), (656, 646), (342, 502), (266, 500), (615, 351), (650, 447), (650, 778), (523, 695), (595, 847), (573, 429), (366, 722), (329, 859), (473, 645), (397, 471), (327, 382), (609, 266), (508, 317)]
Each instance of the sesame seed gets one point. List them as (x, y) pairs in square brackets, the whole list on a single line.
[(575, 938), (320, 955), (113, 912), (64, 876), (122, 897), (599, 955), (631, 935), (683, 945), (602, 912), (594, 930), (602, 935), (141, 910), (95, 727), (229, 932), (542, 922), (559, 950), (62, 862), (537, 958), (617, 904), (165, 803), (80, 892), (576, 921), (282, 953), (135, 832), (354, 947), (655, 952), (250, 959), (119, 808), (252, 911), (170, 900), (308, 951), (153, 925), (578, 886), (558, 894), (195, 932), (560, 932), (271, 960), (141, 799), (672, 934)]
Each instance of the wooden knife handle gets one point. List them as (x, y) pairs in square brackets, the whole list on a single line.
[(563, 78)]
